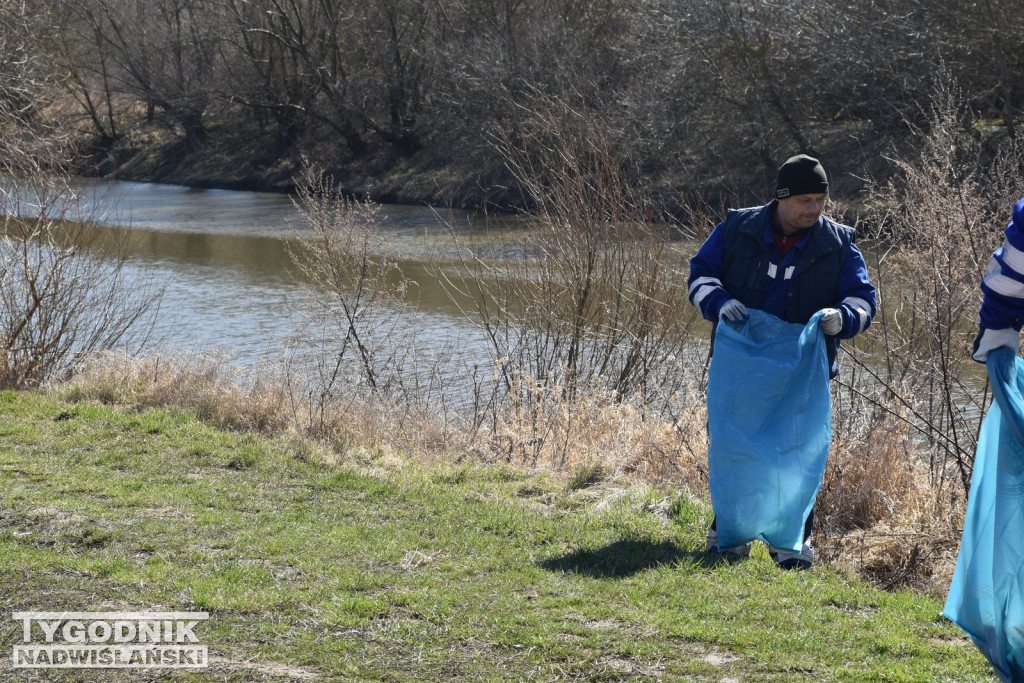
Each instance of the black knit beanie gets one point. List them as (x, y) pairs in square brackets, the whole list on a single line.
[(800, 175)]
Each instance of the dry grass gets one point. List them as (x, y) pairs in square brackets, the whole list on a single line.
[(271, 401), (872, 478), (882, 513), (597, 426), (208, 386), (915, 546), (597, 430), (878, 512)]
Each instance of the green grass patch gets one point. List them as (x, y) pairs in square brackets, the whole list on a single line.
[(445, 573)]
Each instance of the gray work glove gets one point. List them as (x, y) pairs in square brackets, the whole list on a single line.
[(733, 311), (988, 340), (831, 321)]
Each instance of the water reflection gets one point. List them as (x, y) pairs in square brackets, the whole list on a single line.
[(154, 207), (230, 283)]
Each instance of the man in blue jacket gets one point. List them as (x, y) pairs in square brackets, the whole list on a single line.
[(787, 259)]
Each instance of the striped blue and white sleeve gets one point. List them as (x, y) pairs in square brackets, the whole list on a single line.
[(1002, 309), (705, 288), (858, 304)]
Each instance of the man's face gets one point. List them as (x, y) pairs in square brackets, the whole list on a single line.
[(800, 212)]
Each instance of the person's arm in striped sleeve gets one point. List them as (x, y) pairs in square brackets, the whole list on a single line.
[(705, 288), (858, 304), (1002, 310)]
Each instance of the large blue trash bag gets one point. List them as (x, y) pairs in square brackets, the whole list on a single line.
[(986, 598), (769, 426)]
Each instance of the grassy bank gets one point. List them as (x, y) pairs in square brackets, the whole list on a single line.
[(378, 568)]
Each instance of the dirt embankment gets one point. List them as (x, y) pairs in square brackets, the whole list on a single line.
[(471, 177)]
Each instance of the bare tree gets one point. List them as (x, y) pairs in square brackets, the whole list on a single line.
[(90, 70), (299, 51), (395, 53), (165, 53), (65, 288)]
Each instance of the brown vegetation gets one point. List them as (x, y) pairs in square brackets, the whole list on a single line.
[(397, 98)]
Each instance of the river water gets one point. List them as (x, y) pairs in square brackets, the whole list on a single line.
[(230, 285)]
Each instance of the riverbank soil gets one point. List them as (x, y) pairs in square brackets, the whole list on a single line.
[(242, 160), (472, 176)]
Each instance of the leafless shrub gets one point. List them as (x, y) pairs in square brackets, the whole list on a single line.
[(65, 289), (593, 296), (354, 294), (907, 414), (586, 316), (943, 212)]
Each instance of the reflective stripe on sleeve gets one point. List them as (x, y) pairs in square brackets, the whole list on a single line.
[(861, 308), (1013, 257), (1007, 286), (702, 287)]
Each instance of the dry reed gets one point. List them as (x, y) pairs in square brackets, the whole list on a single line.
[(598, 426)]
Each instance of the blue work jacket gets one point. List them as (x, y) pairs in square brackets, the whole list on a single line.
[(825, 269)]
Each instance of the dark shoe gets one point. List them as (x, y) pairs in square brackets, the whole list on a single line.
[(741, 550), (795, 563), (790, 559)]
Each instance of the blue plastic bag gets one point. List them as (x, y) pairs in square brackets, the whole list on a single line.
[(769, 428), (986, 598)]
